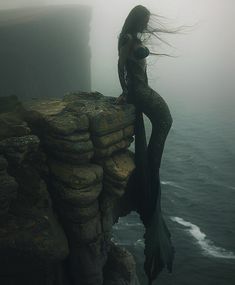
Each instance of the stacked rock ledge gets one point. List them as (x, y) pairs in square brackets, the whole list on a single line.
[(73, 151), (32, 242)]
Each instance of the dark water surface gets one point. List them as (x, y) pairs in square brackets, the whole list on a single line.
[(198, 198)]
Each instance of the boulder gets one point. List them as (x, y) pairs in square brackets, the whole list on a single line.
[(120, 268), (76, 149), (70, 157), (106, 152), (78, 177), (31, 239), (8, 188), (113, 137), (78, 197), (120, 165), (84, 232), (77, 214), (105, 116)]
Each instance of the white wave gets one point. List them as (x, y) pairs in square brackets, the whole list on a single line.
[(122, 243), (132, 224), (115, 227), (171, 183), (207, 246), (231, 187), (123, 224), (139, 242)]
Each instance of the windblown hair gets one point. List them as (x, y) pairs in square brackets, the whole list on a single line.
[(132, 21), (154, 28)]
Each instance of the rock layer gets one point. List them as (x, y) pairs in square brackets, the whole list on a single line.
[(76, 150), (32, 241)]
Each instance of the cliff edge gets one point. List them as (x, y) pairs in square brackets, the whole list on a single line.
[(64, 171)]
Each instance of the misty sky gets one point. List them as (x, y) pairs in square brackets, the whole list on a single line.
[(204, 67)]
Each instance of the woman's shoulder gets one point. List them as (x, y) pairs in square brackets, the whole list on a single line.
[(126, 38)]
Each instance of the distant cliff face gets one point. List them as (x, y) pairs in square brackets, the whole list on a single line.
[(44, 51), (64, 170)]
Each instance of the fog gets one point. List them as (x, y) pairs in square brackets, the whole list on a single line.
[(198, 84), (203, 70)]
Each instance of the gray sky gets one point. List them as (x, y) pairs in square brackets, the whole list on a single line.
[(204, 68)]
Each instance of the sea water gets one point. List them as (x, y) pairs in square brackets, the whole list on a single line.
[(198, 198)]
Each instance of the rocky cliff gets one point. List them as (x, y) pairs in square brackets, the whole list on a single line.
[(64, 171), (45, 50)]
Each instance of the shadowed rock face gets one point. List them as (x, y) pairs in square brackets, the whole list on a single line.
[(44, 51), (32, 243), (76, 150), (120, 268)]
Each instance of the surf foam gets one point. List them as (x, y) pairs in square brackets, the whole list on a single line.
[(206, 245)]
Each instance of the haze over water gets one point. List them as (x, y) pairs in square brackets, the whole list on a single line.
[(197, 173)]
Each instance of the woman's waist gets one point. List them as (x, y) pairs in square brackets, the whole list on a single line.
[(137, 81), (136, 89)]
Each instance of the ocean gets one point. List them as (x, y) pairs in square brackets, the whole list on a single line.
[(198, 197)]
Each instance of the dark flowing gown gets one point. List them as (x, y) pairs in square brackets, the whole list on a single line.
[(146, 193)]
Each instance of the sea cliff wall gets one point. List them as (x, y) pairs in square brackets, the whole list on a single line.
[(64, 170), (45, 50)]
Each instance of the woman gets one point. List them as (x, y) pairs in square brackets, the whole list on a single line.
[(159, 251)]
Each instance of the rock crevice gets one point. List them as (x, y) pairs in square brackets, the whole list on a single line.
[(64, 169)]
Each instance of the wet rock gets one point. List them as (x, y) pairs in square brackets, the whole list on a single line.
[(119, 166), (105, 152), (52, 116), (70, 157), (19, 151), (3, 163), (110, 125), (16, 149), (107, 140), (112, 138), (86, 231), (11, 125), (105, 116), (107, 217), (78, 197), (67, 123), (128, 131), (120, 268), (75, 137), (117, 170), (85, 137), (8, 188), (38, 237), (77, 214), (88, 261), (68, 146), (30, 236), (78, 177)]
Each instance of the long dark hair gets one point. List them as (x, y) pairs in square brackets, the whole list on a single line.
[(133, 21)]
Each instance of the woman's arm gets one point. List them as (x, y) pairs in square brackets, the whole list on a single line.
[(121, 74), (123, 54)]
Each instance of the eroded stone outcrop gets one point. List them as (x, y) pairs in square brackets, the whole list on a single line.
[(120, 268), (76, 149), (32, 242)]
